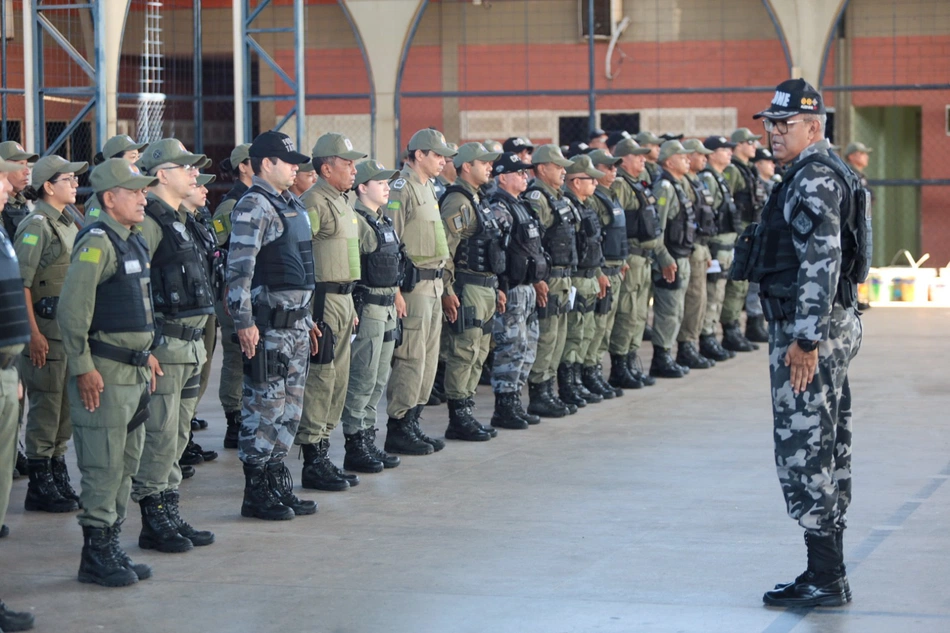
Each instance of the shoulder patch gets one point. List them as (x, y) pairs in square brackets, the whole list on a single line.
[(534, 195), (399, 184), (90, 254), (804, 221), (457, 221), (30, 239), (394, 205)]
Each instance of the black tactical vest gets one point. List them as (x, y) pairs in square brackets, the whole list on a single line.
[(680, 231), (181, 265), (616, 247), (590, 250), (706, 220), (287, 262), (482, 252), (643, 224), (440, 188), (751, 199), (384, 267), (13, 214), (654, 170), (526, 261), (559, 239), (124, 300), (16, 324), (727, 215)]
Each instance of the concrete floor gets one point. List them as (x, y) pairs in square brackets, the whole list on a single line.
[(656, 512)]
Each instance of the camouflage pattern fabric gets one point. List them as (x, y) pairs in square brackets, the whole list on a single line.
[(516, 340)]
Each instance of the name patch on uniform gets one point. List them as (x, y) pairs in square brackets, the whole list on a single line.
[(389, 237), (90, 254), (534, 195), (30, 239), (399, 184), (243, 217), (132, 266), (457, 221)]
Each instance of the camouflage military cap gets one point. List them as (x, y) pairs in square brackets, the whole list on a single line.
[(331, 144), (430, 140), (583, 165), (857, 147), (11, 150), (744, 134), (549, 154), (46, 168), (648, 138), (116, 172), (168, 150), (372, 170), (671, 148), (629, 147), (120, 144), (694, 145), (474, 151), (603, 157)]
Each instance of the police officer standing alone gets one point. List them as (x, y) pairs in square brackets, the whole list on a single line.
[(818, 222)]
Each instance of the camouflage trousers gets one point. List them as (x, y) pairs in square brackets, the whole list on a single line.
[(813, 429), (516, 340), (272, 409), (753, 303)]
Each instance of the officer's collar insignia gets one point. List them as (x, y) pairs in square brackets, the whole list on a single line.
[(97, 232), (399, 184)]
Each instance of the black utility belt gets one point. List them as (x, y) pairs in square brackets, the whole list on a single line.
[(587, 273), (279, 318), (331, 288), (430, 274), (719, 247), (7, 360), (641, 252), (611, 271), (119, 354), (468, 279), (559, 272), (379, 300), (183, 332)]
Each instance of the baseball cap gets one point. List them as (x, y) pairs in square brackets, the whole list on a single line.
[(671, 148), (493, 146), (168, 150), (11, 150), (517, 144), (616, 137), (205, 179), (116, 172), (509, 163), (120, 144), (432, 140), (694, 145), (793, 96), (597, 132), (603, 157), (762, 154), (240, 154), (474, 151), (583, 165), (276, 145), (857, 147), (715, 142), (331, 144), (47, 167), (576, 149), (628, 147), (8, 167), (648, 138), (744, 134), (549, 154), (305, 167), (372, 170), (666, 136)]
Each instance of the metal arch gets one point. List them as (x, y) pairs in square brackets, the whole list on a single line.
[(830, 41), (781, 34), (369, 75), (397, 98)]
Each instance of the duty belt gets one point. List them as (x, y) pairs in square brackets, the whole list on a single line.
[(328, 287), (719, 247), (119, 354), (279, 318), (468, 279), (587, 273), (379, 300), (559, 271), (183, 332), (7, 360), (430, 274), (611, 271), (641, 252)]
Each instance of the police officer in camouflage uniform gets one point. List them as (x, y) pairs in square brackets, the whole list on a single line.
[(817, 227), (44, 243), (671, 267), (270, 290), (119, 146), (380, 306), (230, 387), (516, 330), (16, 207), (558, 220), (635, 196), (414, 211), (107, 334)]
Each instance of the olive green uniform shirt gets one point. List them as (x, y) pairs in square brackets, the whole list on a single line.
[(461, 223), (332, 220)]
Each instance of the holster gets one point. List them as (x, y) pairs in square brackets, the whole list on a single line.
[(464, 320), (325, 345), (140, 416), (394, 334), (604, 305), (553, 308), (410, 277), (45, 308), (747, 251), (659, 282)]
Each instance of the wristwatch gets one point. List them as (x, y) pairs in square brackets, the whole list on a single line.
[(806, 345)]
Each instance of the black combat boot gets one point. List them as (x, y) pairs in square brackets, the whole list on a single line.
[(620, 375), (438, 387), (577, 377), (553, 395), (22, 465), (194, 454), (604, 383), (42, 494), (463, 425), (353, 480), (281, 484), (756, 330), (470, 402), (99, 564), (530, 418), (710, 348), (823, 582), (506, 415), (198, 538), (234, 428), (141, 570), (663, 365), (732, 338), (648, 333), (589, 379), (389, 461), (401, 439), (540, 404), (158, 531), (416, 415), (687, 356), (839, 542), (13, 620), (358, 456), (565, 386), (187, 472), (198, 424), (61, 477), (318, 472), (260, 501), (636, 370)]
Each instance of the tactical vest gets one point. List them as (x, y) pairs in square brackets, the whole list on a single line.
[(590, 251), (336, 257), (526, 262), (16, 324), (777, 265), (440, 189), (482, 252), (654, 170), (287, 262), (680, 231), (424, 232), (181, 265), (643, 223), (13, 214), (124, 301), (615, 245), (706, 220), (751, 199), (559, 239), (48, 281), (384, 267), (727, 215)]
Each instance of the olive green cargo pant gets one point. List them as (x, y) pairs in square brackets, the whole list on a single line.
[(370, 366), (633, 305), (668, 307), (552, 333), (580, 320), (716, 285), (694, 304), (9, 423), (48, 425), (231, 386), (415, 361), (604, 325), (467, 350)]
